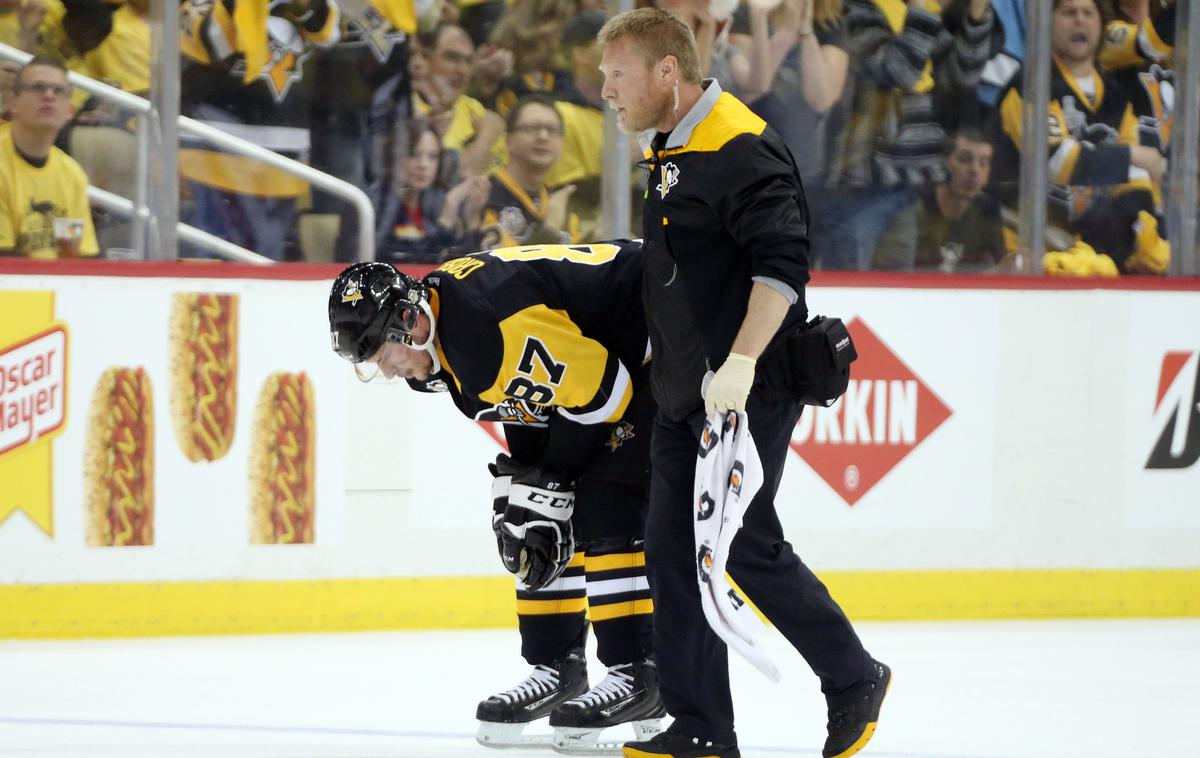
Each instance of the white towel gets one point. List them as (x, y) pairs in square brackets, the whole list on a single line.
[(728, 474)]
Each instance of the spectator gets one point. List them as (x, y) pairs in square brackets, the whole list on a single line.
[(29, 25), (582, 110), (465, 125), (1000, 68), (477, 17), (1137, 50), (711, 22), (532, 31), (8, 76), (364, 103), (44, 209), (243, 72), (957, 227), (888, 143), (792, 72), (413, 228), (1100, 177), (512, 215), (114, 41)]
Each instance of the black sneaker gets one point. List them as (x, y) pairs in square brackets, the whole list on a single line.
[(673, 744), (852, 724)]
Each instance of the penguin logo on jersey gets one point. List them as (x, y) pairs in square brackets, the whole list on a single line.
[(621, 433), (514, 412), (705, 507), (670, 177)]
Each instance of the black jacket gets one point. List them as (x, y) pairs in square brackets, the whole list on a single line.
[(724, 206)]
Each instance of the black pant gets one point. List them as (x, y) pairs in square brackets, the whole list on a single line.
[(609, 521), (692, 661)]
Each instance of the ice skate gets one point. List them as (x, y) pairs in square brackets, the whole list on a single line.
[(504, 716), (627, 695)]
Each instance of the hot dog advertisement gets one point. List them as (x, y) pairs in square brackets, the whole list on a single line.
[(119, 463), (204, 357), (282, 461), (164, 428)]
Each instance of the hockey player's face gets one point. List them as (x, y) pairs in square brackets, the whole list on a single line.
[(1075, 35), (396, 360), (631, 88)]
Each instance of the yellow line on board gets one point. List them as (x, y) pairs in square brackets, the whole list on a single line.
[(141, 609)]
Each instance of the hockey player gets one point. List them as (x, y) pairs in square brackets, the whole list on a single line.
[(550, 342)]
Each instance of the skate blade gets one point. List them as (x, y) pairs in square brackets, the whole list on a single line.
[(503, 736), (584, 741)]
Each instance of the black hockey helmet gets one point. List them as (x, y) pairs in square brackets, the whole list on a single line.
[(373, 303)]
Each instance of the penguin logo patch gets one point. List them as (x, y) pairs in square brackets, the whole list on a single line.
[(621, 433), (670, 177)]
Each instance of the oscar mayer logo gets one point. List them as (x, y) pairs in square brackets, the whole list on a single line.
[(32, 388), (886, 413), (1177, 412), (33, 403)]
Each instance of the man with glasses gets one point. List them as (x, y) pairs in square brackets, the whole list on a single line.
[(521, 209), (44, 210), (549, 341)]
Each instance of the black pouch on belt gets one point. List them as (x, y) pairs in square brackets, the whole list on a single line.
[(812, 364)]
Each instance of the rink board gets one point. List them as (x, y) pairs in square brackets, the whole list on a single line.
[(1008, 448)]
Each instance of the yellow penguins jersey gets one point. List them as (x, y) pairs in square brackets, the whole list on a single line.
[(33, 198), (531, 336)]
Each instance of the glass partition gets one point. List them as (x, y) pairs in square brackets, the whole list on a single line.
[(924, 141)]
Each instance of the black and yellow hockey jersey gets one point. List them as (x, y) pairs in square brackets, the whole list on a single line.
[(246, 56), (1089, 141), (1138, 57), (543, 337), (511, 217)]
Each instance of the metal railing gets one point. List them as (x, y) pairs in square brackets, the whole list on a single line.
[(137, 209)]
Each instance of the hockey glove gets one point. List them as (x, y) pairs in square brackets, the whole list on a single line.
[(537, 540), (502, 473)]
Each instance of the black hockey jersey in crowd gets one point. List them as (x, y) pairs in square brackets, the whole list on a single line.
[(544, 337)]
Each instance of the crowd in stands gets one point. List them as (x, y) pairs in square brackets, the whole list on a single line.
[(477, 123)]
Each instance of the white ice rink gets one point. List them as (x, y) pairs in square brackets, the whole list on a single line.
[(1093, 689)]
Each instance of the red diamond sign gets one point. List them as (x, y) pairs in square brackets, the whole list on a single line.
[(886, 412)]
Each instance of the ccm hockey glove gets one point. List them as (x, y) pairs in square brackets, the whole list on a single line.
[(537, 540)]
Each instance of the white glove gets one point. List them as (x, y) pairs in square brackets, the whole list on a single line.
[(728, 388)]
